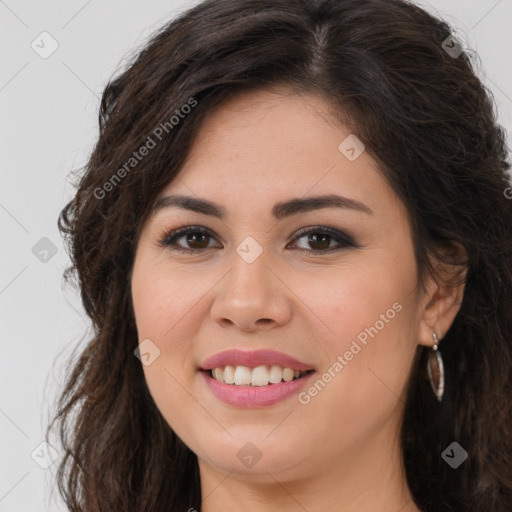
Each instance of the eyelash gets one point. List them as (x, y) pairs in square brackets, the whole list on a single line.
[(344, 240)]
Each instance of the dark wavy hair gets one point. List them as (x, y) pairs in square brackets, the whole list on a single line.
[(429, 123)]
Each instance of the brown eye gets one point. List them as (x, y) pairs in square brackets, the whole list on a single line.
[(195, 239), (319, 240)]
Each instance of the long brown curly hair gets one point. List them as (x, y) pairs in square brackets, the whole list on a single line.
[(428, 121)]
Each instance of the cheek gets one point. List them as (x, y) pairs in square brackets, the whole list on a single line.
[(361, 297), (164, 298), (368, 317), (169, 306), (164, 302)]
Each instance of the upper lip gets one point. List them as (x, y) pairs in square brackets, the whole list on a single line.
[(252, 359)]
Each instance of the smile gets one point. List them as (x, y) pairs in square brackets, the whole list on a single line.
[(248, 396), (259, 376)]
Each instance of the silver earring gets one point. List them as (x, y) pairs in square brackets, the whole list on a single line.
[(436, 369)]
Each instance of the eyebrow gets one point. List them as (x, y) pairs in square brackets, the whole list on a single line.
[(279, 210)]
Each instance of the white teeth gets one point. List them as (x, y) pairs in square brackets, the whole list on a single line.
[(276, 374), (242, 376), (288, 374), (259, 376), (218, 374), (229, 374)]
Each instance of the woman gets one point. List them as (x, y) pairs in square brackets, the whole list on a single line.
[(293, 240)]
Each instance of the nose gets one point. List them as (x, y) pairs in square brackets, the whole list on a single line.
[(252, 297)]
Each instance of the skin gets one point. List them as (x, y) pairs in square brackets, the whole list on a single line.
[(341, 450)]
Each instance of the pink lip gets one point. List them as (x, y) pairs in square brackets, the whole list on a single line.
[(254, 396), (251, 359)]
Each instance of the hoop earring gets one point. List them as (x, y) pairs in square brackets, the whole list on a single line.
[(435, 369)]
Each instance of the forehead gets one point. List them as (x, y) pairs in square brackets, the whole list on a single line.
[(264, 122), (268, 137)]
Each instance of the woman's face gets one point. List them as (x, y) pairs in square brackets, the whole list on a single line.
[(331, 284)]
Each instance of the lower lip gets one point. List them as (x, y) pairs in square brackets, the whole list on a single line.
[(254, 396)]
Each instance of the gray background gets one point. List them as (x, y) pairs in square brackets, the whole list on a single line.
[(48, 123)]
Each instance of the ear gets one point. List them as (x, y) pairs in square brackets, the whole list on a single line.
[(444, 287)]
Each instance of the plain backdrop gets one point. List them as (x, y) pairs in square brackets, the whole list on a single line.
[(48, 123)]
